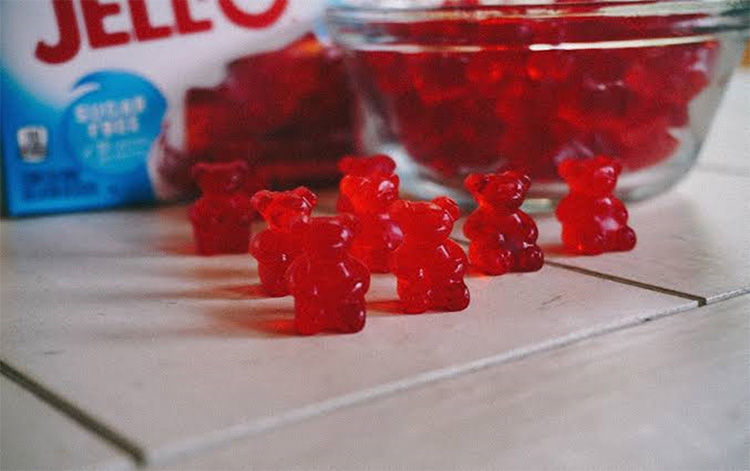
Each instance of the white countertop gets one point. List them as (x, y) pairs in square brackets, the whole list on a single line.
[(120, 349)]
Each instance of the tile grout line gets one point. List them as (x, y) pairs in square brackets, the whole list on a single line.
[(701, 300), (728, 295), (75, 413), (192, 447)]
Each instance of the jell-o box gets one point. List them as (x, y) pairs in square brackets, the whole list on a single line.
[(102, 100)]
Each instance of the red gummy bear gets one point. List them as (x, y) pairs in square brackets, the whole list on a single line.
[(593, 220), (368, 189), (503, 238), (287, 213), (327, 283), (430, 267), (221, 216)]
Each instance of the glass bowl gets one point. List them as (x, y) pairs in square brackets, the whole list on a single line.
[(449, 88)]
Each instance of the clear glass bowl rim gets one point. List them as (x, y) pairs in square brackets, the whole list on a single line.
[(436, 9)]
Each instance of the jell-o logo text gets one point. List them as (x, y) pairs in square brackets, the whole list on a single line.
[(95, 12)]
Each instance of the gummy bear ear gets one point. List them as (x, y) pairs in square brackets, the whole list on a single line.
[(617, 166), (261, 200), (347, 164), (400, 210), (448, 205), (383, 163), (395, 180), (525, 181), (364, 166), (239, 173), (476, 182), (240, 167), (306, 194), (568, 168), (349, 221), (602, 160)]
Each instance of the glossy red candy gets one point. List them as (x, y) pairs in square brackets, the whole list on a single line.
[(429, 266), (275, 248), (593, 220), (514, 107), (503, 238), (221, 216), (327, 283), (368, 189)]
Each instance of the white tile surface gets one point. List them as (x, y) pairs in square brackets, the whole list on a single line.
[(33, 435), (727, 146), (178, 352), (694, 239), (671, 394)]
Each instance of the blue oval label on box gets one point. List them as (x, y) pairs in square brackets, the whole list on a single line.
[(114, 122)]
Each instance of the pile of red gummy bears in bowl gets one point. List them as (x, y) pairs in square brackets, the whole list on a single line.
[(325, 262), (483, 90)]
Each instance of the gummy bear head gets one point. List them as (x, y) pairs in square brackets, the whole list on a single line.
[(283, 210), (503, 192), (329, 236), (596, 177), (426, 222), (364, 166), (220, 177), (369, 184)]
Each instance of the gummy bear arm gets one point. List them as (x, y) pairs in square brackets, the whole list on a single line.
[(209, 211), (243, 208), (361, 277), (266, 247), (243, 202), (344, 205), (296, 274), (530, 230), (194, 214), (569, 210), (619, 211), (474, 226), (457, 254), (392, 234), (366, 284), (563, 209), (403, 264)]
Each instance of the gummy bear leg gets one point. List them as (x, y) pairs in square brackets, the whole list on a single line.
[(218, 239), (206, 247), (490, 261), (414, 296), (528, 259), (452, 296), (206, 243), (351, 317), (379, 261), (625, 239), (273, 279), (308, 317), (583, 242), (236, 240)]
